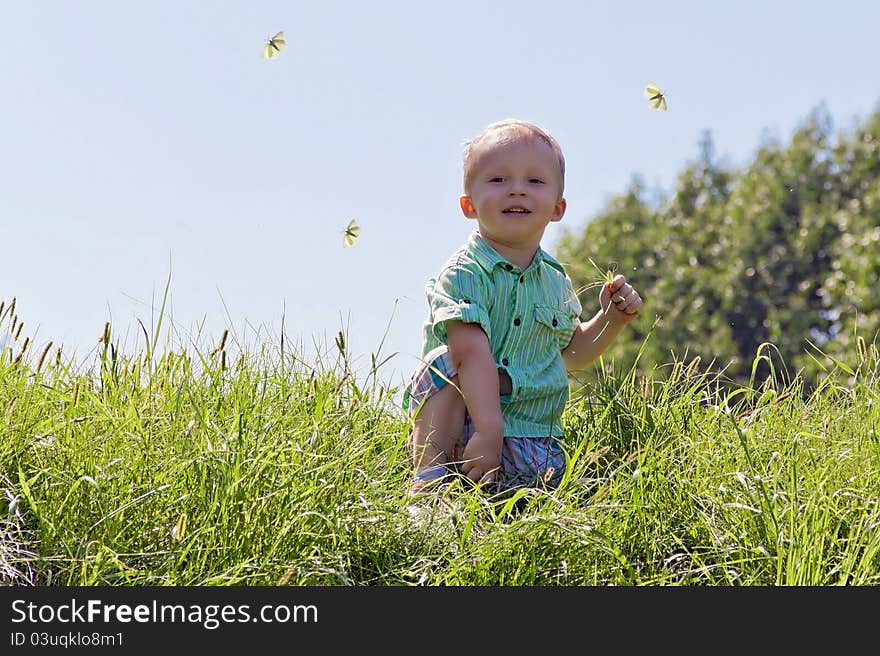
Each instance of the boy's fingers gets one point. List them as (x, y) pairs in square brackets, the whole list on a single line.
[(610, 292), (477, 475), (632, 306)]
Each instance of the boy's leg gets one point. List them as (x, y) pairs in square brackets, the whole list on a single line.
[(439, 413), (436, 429)]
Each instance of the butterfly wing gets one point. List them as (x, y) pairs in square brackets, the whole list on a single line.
[(658, 102), (656, 99), (351, 234), (279, 41), (274, 46)]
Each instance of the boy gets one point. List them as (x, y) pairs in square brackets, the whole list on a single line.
[(504, 324)]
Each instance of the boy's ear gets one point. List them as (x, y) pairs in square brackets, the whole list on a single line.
[(558, 210), (467, 207)]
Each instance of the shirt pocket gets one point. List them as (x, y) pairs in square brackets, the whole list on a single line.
[(555, 323)]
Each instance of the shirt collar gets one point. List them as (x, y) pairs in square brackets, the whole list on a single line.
[(488, 258)]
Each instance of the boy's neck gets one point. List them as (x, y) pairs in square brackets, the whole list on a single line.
[(521, 257)]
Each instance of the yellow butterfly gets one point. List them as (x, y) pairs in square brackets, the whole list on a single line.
[(351, 233), (274, 46), (655, 96)]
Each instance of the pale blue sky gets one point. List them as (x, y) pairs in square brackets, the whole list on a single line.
[(142, 138)]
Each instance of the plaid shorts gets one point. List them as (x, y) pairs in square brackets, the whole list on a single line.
[(525, 461)]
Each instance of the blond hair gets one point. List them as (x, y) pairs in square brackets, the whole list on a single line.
[(504, 132)]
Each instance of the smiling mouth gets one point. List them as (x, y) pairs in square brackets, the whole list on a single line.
[(516, 210)]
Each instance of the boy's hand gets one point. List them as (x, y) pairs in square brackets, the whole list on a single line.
[(619, 301), (482, 457)]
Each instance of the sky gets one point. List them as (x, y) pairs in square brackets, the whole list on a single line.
[(148, 142)]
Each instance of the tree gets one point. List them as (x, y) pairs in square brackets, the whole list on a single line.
[(785, 250)]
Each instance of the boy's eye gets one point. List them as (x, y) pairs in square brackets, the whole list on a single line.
[(497, 178), (536, 181)]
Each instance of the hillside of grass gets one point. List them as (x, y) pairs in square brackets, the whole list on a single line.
[(208, 467)]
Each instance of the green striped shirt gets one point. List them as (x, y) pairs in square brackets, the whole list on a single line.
[(528, 315)]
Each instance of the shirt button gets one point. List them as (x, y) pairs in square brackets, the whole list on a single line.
[(509, 267), (505, 362), (555, 322), (522, 278), (516, 321)]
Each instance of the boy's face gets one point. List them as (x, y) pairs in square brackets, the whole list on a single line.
[(515, 192)]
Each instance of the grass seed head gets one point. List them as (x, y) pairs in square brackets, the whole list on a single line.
[(43, 356), (222, 343), (863, 349), (24, 348)]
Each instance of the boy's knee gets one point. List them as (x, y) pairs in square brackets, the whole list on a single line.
[(448, 397), (442, 410)]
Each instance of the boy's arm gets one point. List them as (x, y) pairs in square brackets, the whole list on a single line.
[(478, 381), (619, 304), (589, 341)]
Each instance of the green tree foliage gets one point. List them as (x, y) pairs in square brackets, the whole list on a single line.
[(785, 250)]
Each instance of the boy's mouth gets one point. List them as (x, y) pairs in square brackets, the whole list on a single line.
[(516, 210)]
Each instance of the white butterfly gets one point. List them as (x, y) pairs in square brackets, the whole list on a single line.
[(351, 233), (655, 96), (274, 46)]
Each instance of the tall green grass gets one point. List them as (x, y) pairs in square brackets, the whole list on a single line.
[(184, 464)]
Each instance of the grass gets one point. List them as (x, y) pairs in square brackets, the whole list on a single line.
[(606, 277), (203, 465)]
